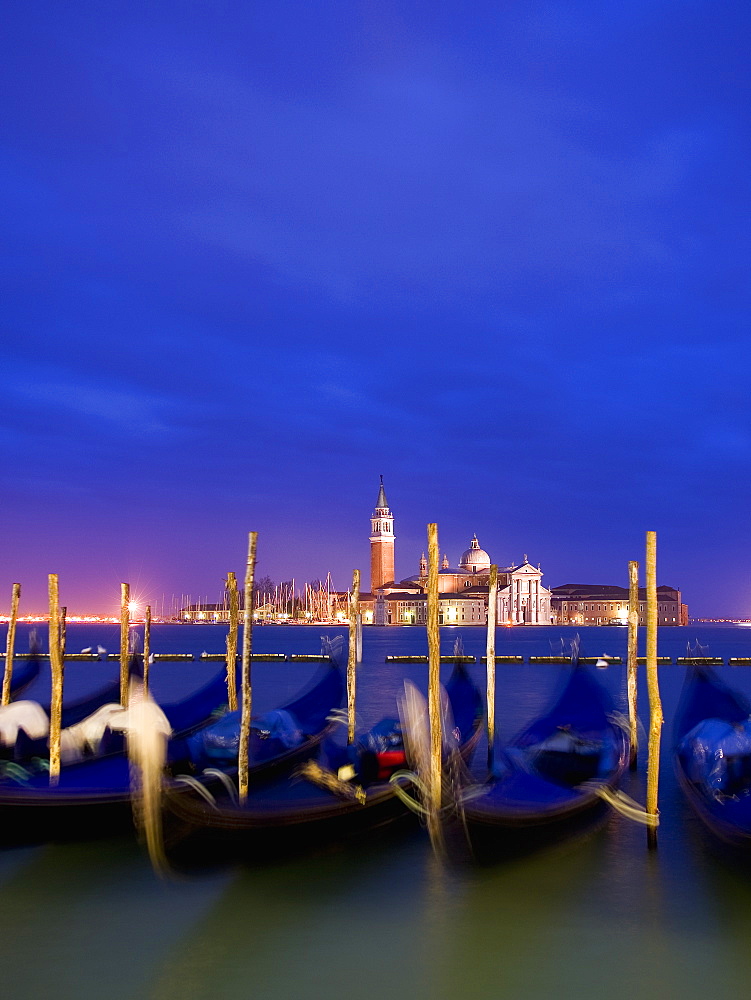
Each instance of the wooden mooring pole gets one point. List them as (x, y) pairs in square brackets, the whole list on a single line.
[(10, 643), (244, 748), (63, 629), (490, 660), (234, 614), (632, 673), (124, 626), (56, 670), (434, 782), (146, 647), (354, 608), (653, 687)]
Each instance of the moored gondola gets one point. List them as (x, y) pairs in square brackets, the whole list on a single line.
[(26, 671), (712, 736), (345, 791), (550, 777), (93, 796)]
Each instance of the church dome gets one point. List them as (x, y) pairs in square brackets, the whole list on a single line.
[(475, 559)]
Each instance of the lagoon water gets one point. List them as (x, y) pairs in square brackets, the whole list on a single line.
[(593, 916)]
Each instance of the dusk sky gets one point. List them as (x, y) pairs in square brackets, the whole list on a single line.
[(257, 254)]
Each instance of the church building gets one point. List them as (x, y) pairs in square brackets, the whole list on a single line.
[(463, 589)]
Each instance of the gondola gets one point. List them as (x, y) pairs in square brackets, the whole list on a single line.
[(24, 675), (315, 805), (27, 670), (93, 796), (712, 737), (545, 781), (74, 711)]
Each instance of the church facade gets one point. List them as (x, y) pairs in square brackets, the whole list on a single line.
[(463, 589)]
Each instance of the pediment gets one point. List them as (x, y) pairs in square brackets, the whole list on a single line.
[(527, 569)]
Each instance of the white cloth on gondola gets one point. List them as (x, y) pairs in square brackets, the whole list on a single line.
[(26, 715), (84, 738)]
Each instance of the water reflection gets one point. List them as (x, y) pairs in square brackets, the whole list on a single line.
[(334, 927), (87, 918)]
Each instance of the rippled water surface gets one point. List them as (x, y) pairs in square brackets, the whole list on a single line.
[(596, 915)]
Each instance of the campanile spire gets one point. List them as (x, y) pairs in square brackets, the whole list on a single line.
[(381, 542)]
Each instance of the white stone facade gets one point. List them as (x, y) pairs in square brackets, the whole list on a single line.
[(463, 600)]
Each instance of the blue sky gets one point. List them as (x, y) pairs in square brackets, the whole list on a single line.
[(257, 255)]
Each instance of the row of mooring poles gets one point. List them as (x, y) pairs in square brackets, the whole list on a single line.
[(57, 618), (434, 782), (57, 643)]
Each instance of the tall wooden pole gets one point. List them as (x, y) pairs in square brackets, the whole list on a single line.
[(146, 647), (63, 630), (633, 633), (434, 689), (10, 644), (124, 625), (354, 607), (234, 614), (56, 670), (490, 660), (653, 687), (244, 748)]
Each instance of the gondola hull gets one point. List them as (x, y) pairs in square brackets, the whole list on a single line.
[(722, 801), (93, 797), (543, 786), (263, 828), (296, 814), (25, 673)]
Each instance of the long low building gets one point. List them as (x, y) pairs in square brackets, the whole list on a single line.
[(402, 607), (601, 604)]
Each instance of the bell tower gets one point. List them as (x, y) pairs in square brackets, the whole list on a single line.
[(381, 543)]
